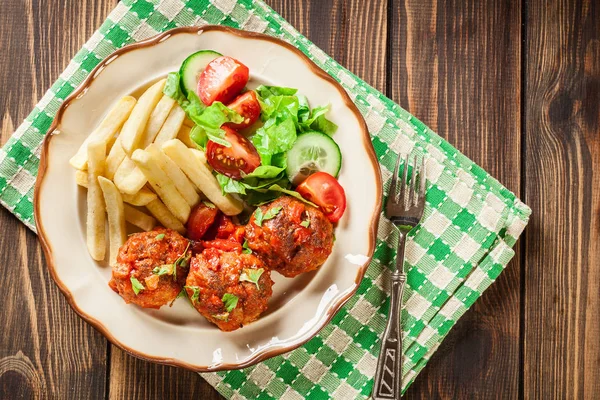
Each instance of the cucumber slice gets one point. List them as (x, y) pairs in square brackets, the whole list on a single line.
[(313, 152), (192, 67)]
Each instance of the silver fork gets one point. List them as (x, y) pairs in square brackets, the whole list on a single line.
[(405, 211)]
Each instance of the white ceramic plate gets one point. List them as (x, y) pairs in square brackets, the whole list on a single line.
[(300, 307)]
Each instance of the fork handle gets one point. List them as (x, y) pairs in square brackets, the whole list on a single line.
[(388, 377)]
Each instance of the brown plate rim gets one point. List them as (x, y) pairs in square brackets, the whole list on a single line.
[(259, 356)]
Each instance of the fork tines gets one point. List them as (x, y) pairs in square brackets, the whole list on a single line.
[(412, 192)]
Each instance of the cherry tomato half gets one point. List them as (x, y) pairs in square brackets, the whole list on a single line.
[(201, 219), (247, 106), (222, 80), (326, 192), (241, 156)]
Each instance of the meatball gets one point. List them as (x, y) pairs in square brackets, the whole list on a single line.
[(289, 236), (154, 264), (228, 288)]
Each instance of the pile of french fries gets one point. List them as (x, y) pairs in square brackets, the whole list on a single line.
[(140, 166)]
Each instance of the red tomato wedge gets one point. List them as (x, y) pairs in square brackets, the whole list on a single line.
[(222, 80), (248, 107), (230, 161), (201, 219), (326, 192)]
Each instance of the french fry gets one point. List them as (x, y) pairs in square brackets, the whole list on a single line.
[(81, 178), (184, 136), (171, 126), (110, 143), (179, 179), (164, 216), (138, 218), (114, 159), (96, 210), (113, 121), (141, 198), (134, 127), (156, 120), (128, 178), (201, 176), (162, 185), (116, 217)]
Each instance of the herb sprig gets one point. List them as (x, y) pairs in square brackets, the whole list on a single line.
[(136, 285), (171, 269), (251, 275), (271, 213)]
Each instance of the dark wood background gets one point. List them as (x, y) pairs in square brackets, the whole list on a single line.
[(514, 84)]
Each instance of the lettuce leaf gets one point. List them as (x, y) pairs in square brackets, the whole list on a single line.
[(229, 185), (274, 138), (293, 193), (265, 91), (257, 191), (173, 87), (208, 120), (265, 172), (315, 120), (324, 125)]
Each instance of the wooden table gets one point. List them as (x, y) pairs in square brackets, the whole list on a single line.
[(515, 85)]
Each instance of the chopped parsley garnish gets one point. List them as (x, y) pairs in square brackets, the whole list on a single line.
[(229, 301), (182, 261), (171, 269), (160, 236), (136, 285), (163, 270), (251, 275), (272, 213), (246, 249), (195, 294), (305, 223), (259, 217), (208, 204)]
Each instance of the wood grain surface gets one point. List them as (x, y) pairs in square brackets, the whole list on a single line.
[(561, 297), (515, 85)]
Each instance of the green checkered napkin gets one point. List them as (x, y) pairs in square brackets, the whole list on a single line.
[(465, 240)]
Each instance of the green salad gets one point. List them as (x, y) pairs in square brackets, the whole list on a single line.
[(261, 143)]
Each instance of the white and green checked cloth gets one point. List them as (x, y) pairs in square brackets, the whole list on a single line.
[(465, 240)]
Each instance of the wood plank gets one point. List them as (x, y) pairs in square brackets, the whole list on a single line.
[(131, 378), (46, 350), (456, 67), (562, 158), (353, 32)]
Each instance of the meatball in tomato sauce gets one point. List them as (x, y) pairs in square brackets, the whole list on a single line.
[(229, 288), (290, 236), (151, 268)]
